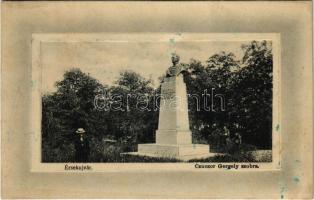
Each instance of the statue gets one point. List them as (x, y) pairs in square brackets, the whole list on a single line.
[(176, 68), (173, 136)]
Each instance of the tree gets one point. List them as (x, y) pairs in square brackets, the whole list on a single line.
[(252, 110), (247, 88), (216, 76), (69, 108), (135, 125)]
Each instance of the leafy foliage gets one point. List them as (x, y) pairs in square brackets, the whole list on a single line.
[(246, 116), (72, 107), (247, 87)]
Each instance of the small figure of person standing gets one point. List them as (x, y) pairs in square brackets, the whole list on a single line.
[(226, 136), (238, 139), (81, 146)]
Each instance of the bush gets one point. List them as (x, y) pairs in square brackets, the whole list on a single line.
[(112, 153), (234, 148), (61, 153), (96, 150)]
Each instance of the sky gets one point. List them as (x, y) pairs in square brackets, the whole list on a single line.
[(104, 61)]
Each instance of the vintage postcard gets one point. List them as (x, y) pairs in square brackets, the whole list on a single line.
[(197, 101), (157, 100)]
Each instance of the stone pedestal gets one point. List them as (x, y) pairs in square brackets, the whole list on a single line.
[(173, 151), (173, 137)]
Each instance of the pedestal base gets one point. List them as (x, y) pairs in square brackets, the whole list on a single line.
[(181, 152), (170, 150)]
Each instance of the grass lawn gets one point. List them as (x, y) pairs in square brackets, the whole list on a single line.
[(146, 159)]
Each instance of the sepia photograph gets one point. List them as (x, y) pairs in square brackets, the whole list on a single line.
[(162, 98)]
